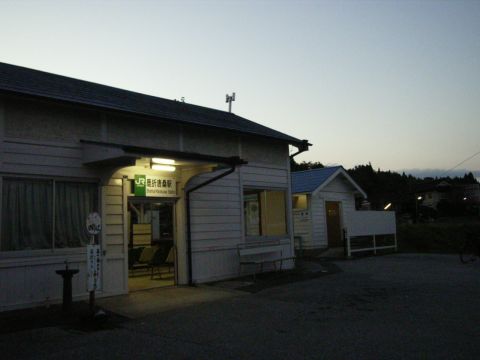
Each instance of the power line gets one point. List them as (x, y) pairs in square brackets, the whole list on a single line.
[(460, 163)]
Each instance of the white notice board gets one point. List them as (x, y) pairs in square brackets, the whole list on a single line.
[(93, 267)]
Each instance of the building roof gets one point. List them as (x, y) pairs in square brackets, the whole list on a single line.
[(21, 80), (310, 180)]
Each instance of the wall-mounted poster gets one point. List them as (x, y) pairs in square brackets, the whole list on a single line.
[(252, 215)]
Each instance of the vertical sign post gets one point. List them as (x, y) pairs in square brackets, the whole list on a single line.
[(94, 226)]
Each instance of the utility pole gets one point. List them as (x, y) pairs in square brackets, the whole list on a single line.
[(229, 99)]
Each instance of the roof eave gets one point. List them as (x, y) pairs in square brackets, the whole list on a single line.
[(287, 139)]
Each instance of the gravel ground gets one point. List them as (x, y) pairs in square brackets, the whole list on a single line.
[(403, 306)]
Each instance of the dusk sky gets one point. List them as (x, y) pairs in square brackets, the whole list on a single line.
[(394, 83)]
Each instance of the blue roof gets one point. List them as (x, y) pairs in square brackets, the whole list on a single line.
[(307, 181)]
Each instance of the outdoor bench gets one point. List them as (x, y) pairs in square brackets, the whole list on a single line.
[(261, 253)]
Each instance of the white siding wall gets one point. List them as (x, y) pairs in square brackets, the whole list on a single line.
[(41, 138), (337, 190), (217, 218), (114, 234), (365, 223), (268, 176), (30, 276), (302, 224), (23, 156), (32, 281)]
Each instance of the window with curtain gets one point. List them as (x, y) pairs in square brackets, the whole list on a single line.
[(265, 212), (73, 203), (45, 214), (26, 214)]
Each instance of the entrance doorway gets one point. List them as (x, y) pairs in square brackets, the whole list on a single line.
[(334, 228), (151, 246)]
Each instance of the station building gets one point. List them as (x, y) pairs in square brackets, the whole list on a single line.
[(179, 187)]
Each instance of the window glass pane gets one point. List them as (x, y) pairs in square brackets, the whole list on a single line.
[(251, 210), (300, 202), (73, 203), (265, 213), (273, 213), (26, 214)]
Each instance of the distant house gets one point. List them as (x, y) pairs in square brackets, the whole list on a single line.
[(469, 193), (436, 192), (323, 200), (433, 193)]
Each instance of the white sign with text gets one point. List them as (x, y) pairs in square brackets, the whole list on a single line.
[(93, 267)]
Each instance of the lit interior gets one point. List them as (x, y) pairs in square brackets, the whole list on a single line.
[(163, 161)]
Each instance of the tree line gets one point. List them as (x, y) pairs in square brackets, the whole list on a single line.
[(383, 187)]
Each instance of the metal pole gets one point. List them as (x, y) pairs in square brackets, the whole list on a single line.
[(349, 250), (416, 210), (92, 292)]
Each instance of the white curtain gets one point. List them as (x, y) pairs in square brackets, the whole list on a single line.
[(27, 214), (73, 203)]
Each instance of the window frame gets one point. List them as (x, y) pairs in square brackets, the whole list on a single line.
[(257, 238), (307, 201), (52, 250)]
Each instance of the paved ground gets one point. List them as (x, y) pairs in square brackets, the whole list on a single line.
[(390, 307)]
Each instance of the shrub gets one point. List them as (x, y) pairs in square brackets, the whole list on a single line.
[(443, 238)]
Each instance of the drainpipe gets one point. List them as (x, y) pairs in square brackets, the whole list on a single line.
[(302, 147), (235, 161)]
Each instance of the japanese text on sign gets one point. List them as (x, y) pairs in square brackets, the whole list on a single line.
[(93, 267), (146, 185)]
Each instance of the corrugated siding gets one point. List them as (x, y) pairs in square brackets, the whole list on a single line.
[(113, 213), (215, 224), (339, 184), (43, 158), (114, 261), (215, 211), (216, 218), (260, 176), (319, 230), (34, 281), (302, 225)]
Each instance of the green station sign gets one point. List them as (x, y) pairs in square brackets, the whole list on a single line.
[(159, 186)]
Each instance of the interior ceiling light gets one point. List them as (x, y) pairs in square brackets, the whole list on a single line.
[(387, 206), (163, 161), (163, 167)]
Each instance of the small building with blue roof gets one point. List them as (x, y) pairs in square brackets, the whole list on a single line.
[(323, 200)]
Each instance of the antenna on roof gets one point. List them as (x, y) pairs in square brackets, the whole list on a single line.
[(229, 99)]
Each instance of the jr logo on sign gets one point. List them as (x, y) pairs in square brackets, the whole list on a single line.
[(154, 186), (140, 188)]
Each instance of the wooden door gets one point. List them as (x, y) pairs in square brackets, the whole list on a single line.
[(334, 229)]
